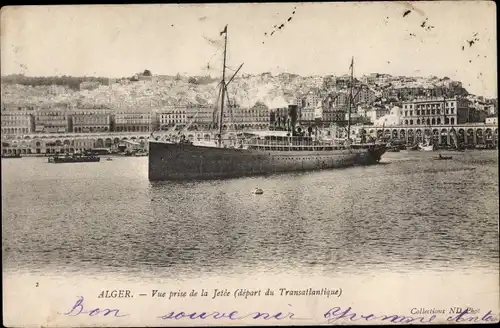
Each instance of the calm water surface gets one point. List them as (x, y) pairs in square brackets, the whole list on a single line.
[(410, 213)]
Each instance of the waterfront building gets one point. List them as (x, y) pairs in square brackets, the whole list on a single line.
[(254, 118), (436, 111), (132, 122), (307, 115), (332, 115), (239, 118), (171, 116), (52, 120), (17, 122), (204, 117), (91, 120)]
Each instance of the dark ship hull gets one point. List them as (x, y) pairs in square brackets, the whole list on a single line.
[(178, 161)]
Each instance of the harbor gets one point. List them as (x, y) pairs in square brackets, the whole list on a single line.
[(320, 221)]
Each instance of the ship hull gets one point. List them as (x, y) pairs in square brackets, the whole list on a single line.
[(169, 161)]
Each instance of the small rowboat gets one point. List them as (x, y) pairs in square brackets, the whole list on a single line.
[(258, 191)]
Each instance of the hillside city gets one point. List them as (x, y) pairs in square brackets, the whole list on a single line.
[(148, 102)]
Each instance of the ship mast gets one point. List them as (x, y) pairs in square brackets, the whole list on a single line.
[(349, 102), (223, 86)]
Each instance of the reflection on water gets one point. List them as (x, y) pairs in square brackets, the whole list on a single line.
[(409, 213)]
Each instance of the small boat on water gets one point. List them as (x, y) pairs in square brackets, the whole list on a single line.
[(442, 158), (141, 153), (109, 159), (11, 156), (258, 191), (74, 158)]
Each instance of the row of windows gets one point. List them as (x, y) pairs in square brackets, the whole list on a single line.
[(431, 121), (132, 118), (126, 122), (431, 112), (90, 120), (52, 125), (424, 106), (48, 114), (16, 117), (52, 120), (173, 121), (246, 119), (91, 129), (132, 129), (172, 113), (14, 123), (14, 130), (89, 114), (438, 105), (172, 116)]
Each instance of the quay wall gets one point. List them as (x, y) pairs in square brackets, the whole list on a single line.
[(48, 143), (468, 134), (52, 143)]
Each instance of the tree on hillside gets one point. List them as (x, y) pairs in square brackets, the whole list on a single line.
[(147, 72), (192, 80)]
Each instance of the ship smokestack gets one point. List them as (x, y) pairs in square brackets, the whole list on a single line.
[(272, 119), (292, 113)]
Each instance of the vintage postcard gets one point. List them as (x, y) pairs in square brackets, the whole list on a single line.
[(250, 164)]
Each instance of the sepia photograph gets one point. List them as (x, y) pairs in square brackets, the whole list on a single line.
[(329, 163)]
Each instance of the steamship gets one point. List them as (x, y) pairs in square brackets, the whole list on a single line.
[(256, 153)]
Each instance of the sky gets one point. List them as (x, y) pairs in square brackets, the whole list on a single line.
[(319, 39)]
